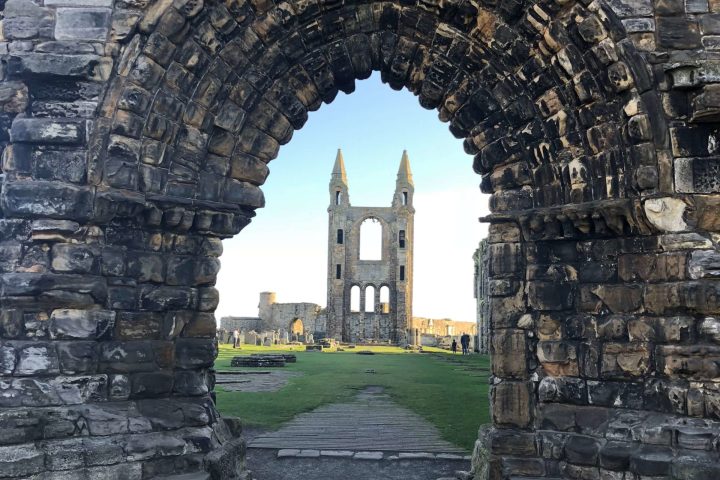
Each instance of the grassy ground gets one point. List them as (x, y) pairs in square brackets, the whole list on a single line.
[(451, 391)]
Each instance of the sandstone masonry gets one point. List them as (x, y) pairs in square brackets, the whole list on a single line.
[(386, 321)]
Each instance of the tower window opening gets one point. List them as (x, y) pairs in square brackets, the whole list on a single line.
[(371, 240), (338, 197), (384, 299), (405, 198), (355, 299), (338, 271), (370, 298), (401, 238), (340, 235), (402, 273)]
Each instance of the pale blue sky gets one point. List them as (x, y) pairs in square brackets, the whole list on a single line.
[(284, 249)]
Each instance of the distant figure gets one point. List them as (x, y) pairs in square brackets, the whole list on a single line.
[(454, 346), (465, 342), (236, 338)]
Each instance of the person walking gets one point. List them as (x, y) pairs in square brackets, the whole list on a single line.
[(465, 343), (236, 338), (454, 346)]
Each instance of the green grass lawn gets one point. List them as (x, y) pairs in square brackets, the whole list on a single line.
[(451, 391)]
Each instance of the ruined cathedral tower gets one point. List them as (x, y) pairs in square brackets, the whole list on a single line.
[(370, 299)]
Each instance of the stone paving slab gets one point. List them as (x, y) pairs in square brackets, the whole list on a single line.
[(372, 422), (254, 381)]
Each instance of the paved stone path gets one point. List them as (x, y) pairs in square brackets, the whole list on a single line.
[(254, 381), (371, 426)]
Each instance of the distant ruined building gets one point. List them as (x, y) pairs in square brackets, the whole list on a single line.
[(480, 258), (370, 299), (300, 318)]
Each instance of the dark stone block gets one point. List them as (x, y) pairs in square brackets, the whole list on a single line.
[(46, 199), (193, 353), (151, 384), (190, 383), (582, 450), (616, 455), (677, 32), (78, 357), (64, 165), (652, 461)]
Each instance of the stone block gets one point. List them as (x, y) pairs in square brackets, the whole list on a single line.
[(78, 357), (677, 32), (190, 383), (64, 165), (80, 324), (511, 404), (652, 461), (582, 450), (48, 131), (46, 199), (652, 268), (11, 324), (195, 353), (558, 358), (139, 326), (24, 19), (8, 359), (625, 360), (563, 389), (549, 296), (509, 348), (200, 325), (632, 8), (707, 208), (21, 460), (150, 445), (150, 384), (88, 24), (37, 359), (248, 169), (665, 396), (123, 357), (118, 387), (146, 267), (615, 394), (660, 329), (696, 362), (615, 298), (166, 298), (704, 264), (74, 258)]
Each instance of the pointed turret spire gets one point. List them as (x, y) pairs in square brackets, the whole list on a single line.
[(338, 172), (404, 172)]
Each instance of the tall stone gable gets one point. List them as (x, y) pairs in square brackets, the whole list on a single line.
[(388, 321)]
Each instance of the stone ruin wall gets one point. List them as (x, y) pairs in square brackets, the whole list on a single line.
[(136, 135), (283, 315)]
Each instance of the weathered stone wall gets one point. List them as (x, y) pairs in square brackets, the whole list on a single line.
[(136, 134), (245, 324), (482, 297), (283, 314)]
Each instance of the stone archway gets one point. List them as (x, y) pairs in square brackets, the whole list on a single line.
[(296, 327), (139, 136)]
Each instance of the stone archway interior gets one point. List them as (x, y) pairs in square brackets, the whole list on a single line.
[(296, 327)]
